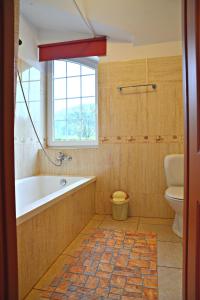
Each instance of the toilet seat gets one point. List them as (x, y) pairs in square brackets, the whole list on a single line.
[(175, 193)]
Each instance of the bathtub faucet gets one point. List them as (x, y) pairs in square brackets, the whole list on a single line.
[(62, 156)]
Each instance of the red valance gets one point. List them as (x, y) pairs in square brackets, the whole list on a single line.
[(72, 49)]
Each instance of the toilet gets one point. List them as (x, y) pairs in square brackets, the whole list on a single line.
[(174, 194)]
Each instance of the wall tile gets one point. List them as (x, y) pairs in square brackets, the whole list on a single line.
[(137, 129)]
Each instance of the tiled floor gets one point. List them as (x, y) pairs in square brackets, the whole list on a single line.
[(169, 254)]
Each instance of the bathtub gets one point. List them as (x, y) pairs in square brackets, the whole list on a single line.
[(51, 211), (34, 194)]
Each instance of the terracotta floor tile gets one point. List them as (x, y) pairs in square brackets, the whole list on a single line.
[(106, 257), (92, 282), (105, 267), (122, 260), (77, 279), (104, 282), (138, 263), (103, 274), (58, 296), (135, 280), (107, 264), (117, 291), (150, 282), (133, 289), (55, 273), (103, 292), (118, 281), (76, 269), (62, 287), (114, 296), (150, 294)]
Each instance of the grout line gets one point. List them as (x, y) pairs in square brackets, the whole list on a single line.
[(176, 268), (173, 242)]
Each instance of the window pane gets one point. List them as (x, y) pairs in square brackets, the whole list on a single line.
[(35, 112), (60, 130), (19, 96), (74, 129), (34, 74), (87, 71), (88, 86), (73, 69), (59, 68), (88, 126), (74, 118), (25, 86), (20, 112), (73, 108), (25, 75), (60, 110), (60, 88), (34, 92), (88, 104), (88, 118), (73, 87)]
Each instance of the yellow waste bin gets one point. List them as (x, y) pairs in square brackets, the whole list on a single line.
[(120, 202)]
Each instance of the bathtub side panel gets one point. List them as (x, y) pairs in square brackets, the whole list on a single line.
[(42, 238)]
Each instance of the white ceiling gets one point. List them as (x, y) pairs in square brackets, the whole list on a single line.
[(138, 21)]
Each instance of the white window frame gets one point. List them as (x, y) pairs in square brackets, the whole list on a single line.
[(50, 130)]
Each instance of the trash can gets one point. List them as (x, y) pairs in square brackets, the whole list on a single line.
[(119, 201)]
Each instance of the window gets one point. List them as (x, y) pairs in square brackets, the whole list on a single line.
[(31, 81), (72, 103)]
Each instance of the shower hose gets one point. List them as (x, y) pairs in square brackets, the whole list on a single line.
[(34, 128)]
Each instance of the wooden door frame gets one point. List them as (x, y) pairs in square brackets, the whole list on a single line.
[(191, 40), (186, 150), (8, 242)]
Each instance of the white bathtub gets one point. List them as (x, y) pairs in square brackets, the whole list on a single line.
[(34, 194), (49, 217)]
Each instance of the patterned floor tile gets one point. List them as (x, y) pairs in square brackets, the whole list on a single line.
[(107, 264)]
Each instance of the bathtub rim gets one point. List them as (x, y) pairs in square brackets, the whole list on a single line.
[(53, 197)]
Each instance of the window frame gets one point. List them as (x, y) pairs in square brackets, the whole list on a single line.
[(50, 121)]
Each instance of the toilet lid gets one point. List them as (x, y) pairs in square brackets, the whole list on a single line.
[(175, 192)]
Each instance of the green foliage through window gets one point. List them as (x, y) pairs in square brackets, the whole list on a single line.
[(74, 102)]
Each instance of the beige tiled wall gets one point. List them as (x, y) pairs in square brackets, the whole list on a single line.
[(26, 144), (137, 129)]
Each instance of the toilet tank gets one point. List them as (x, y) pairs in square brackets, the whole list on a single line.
[(174, 169)]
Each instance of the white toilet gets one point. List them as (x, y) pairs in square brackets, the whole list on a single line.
[(174, 194)]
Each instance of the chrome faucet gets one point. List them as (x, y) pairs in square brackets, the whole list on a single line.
[(62, 156)]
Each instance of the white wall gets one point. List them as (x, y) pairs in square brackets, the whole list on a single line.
[(28, 51), (127, 51)]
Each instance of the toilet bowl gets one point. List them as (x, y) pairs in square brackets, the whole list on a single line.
[(174, 194)]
